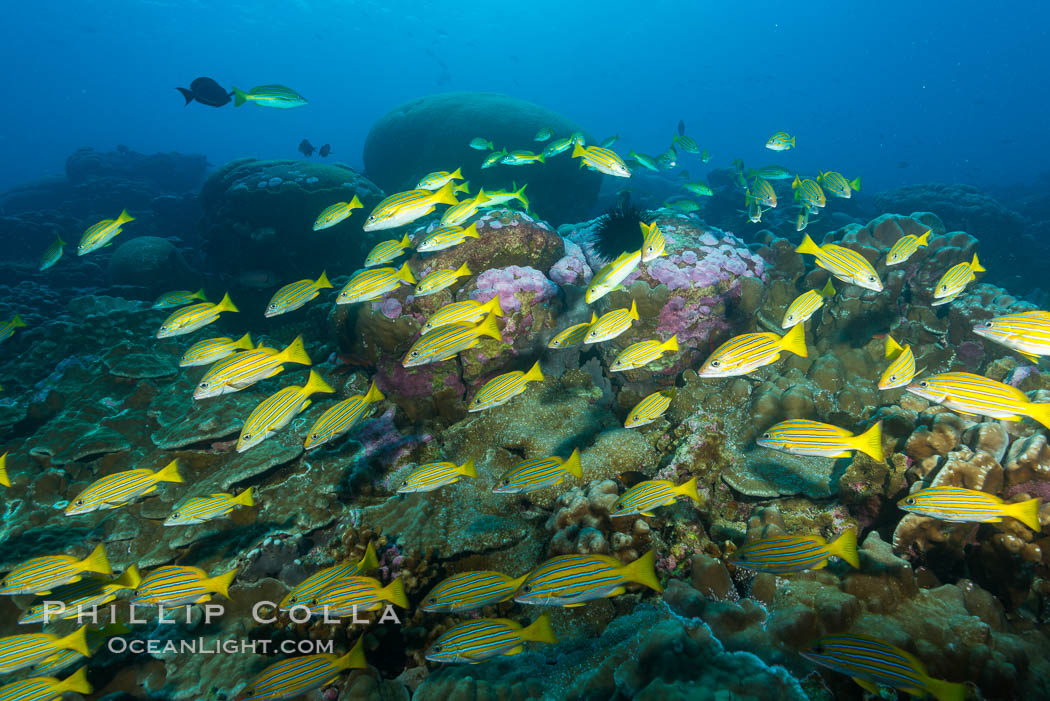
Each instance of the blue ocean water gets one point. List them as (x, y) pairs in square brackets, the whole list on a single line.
[(897, 92)]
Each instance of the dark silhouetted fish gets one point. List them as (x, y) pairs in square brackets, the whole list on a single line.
[(205, 91), (306, 148), (681, 127), (632, 477), (325, 150)]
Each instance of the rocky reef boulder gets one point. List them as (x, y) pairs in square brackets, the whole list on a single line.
[(150, 262), (434, 132)]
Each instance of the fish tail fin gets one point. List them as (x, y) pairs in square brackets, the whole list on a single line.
[(16, 320), (322, 282), (471, 232), (405, 242), (481, 197), (456, 174), (975, 265), (541, 158), (792, 142), (492, 307), (315, 383), (395, 593), (405, 273), (355, 203), (794, 341), (870, 442), (245, 498), (893, 349), (60, 241), (688, 489), (489, 328), (467, 468), (796, 183), (4, 478), (244, 342), (944, 690), (130, 579), (1039, 412), (924, 240), (671, 344), (845, 546), (186, 93), (168, 473), (199, 294), (572, 464), (220, 584), (520, 194), (539, 631), (355, 659), (445, 195), (295, 353), (643, 571), (239, 97), (828, 291), (855, 184), (633, 313), (1027, 512), (463, 187), (534, 374), (370, 560), (577, 150), (463, 271), (124, 217), (226, 304), (594, 318), (808, 246), (96, 561), (77, 640), (373, 394), (77, 681)]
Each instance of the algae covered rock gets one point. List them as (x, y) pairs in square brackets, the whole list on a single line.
[(150, 262)]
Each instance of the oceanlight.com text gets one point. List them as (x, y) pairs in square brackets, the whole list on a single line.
[(200, 646)]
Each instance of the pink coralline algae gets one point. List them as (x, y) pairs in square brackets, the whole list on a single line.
[(508, 282), (681, 318), (390, 307), (1022, 373), (573, 268)]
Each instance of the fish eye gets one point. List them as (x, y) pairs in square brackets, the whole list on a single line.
[(871, 278), (314, 436), (715, 363), (527, 588), (818, 649), (910, 501), (414, 354), (766, 436), (80, 502), (175, 515), (405, 483), (988, 324), (273, 306), (924, 383), (437, 648), (246, 436), (203, 385), (944, 287), (432, 599)]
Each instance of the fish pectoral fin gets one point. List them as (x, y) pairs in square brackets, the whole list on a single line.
[(1030, 356), (515, 650), (820, 565), (843, 454), (997, 519), (572, 606), (869, 687), (616, 592), (648, 513)]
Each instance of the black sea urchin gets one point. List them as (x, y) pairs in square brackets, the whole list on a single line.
[(618, 229)]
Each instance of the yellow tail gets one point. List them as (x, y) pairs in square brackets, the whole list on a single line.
[(946, 691), (4, 479), (199, 294), (870, 442), (688, 489), (77, 681), (828, 290), (244, 342), (845, 546), (405, 242), (1027, 512), (893, 349), (96, 561), (633, 312), (456, 174), (239, 97), (534, 374), (322, 282), (463, 271), (445, 195), (355, 659), (572, 464), (489, 328), (671, 344), (643, 571), (370, 560), (405, 273), (355, 203), (245, 498), (855, 184), (1038, 411), (539, 631), (75, 641), (492, 306), (467, 468), (594, 318), (226, 304), (315, 383), (221, 583), (168, 473), (395, 593), (373, 394), (794, 341), (471, 232), (124, 217), (129, 580), (295, 353), (924, 240), (577, 150), (975, 265), (481, 198), (808, 246), (16, 321)]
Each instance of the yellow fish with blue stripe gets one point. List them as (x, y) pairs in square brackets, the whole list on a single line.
[(497, 198), (76, 597), (837, 185), (433, 475), (406, 207), (62, 659), (477, 641), (245, 369), (446, 341), (18, 651), (102, 234), (612, 275), (338, 419), (277, 96), (787, 554), (808, 192), (296, 676), (873, 663), (573, 335), (969, 506), (462, 211), (46, 688), (438, 280), (210, 350), (372, 283), (1028, 333), (465, 312), (494, 158), (203, 509), (277, 411), (955, 281), (573, 580), (901, 370), (118, 489), (42, 574), (781, 141), (7, 328), (481, 144), (813, 438), (649, 409), (176, 585), (438, 179), (806, 305), (539, 473), (296, 294), (654, 244), (905, 247), (502, 388), (543, 134), (387, 251), (196, 316), (762, 192), (522, 158), (303, 594), (178, 298), (750, 351), (642, 353), (350, 595), (52, 254), (467, 591), (643, 497), (611, 324), (602, 160), (446, 237), (333, 214), (844, 263), (974, 395)]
